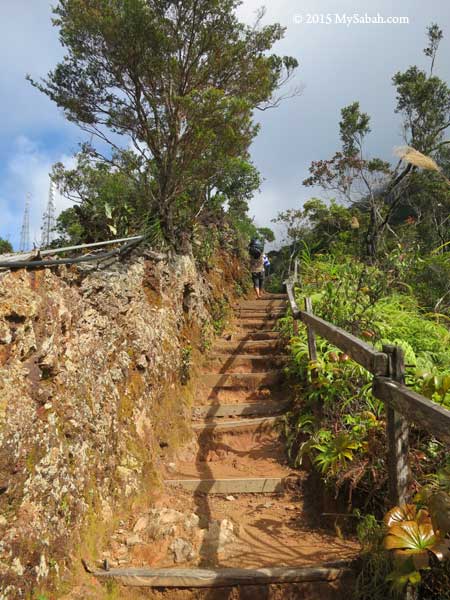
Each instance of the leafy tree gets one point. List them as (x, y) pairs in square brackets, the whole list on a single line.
[(358, 179), (266, 234), (425, 209), (424, 101), (320, 225), (107, 202), (372, 184), (435, 35), (177, 82), (5, 246)]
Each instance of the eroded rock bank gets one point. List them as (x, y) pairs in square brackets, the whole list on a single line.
[(91, 397)]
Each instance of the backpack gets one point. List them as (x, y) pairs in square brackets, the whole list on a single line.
[(256, 248)]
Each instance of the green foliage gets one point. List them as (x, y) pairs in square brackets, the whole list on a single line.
[(430, 276), (185, 364), (5, 246), (274, 284), (220, 311), (354, 126), (266, 234), (107, 202), (424, 100), (347, 442), (372, 580), (334, 453), (205, 244), (323, 227), (435, 581)]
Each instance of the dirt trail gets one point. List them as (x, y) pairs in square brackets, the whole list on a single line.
[(270, 529), (238, 529)]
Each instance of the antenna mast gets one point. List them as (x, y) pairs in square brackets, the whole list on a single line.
[(48, 219), (25, 231)]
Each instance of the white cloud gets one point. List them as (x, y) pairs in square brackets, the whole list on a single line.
[(27, 173)]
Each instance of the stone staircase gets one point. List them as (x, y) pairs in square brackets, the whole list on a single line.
[(240, 475)]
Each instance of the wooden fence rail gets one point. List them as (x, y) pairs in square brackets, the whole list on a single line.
[(403, 405)]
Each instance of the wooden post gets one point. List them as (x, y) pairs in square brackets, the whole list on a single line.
[(312, 348), (397, 431), (312, 351)]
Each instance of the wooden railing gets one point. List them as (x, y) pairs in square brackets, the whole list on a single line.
[(403, 405)]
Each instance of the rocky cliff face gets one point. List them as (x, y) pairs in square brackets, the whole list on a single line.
[(90, 397)]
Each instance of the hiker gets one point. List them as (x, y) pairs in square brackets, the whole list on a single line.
[(266, 262), (256, 250)]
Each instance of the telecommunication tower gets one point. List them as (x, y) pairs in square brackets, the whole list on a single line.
[(25, 231), (49, 219)]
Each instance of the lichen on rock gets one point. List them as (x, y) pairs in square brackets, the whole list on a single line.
[(90, 400)]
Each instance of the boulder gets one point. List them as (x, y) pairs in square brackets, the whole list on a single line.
[(182, 550)]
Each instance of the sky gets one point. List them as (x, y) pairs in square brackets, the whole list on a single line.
[(339, 63)]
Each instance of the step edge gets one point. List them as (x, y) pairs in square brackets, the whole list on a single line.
[(228, 577), (249, 374), (266, 485), (248, 356), (241, 424), (236, 408)]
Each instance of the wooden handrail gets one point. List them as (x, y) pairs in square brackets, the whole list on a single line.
[(416, 408), (366, 355), (371, 359), (403, 405)]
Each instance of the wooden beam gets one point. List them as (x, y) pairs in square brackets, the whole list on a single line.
[(210, 578), (312, 348), (312, 352), (233, 425), (427, 415), (364, 354), (259, 485), (397, 433), (293, 304), (247, 409)]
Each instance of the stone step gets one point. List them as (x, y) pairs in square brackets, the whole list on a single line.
[(258, 347), (230, 577), (243, 363), (235, 425), (244, 409), (257, 485), (242, 380)]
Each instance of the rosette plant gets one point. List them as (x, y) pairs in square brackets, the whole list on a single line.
[(412, 536)]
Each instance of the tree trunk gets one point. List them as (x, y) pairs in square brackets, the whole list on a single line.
[(372, 236)]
